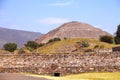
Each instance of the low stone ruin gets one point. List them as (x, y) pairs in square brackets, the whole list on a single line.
[(64, 64)]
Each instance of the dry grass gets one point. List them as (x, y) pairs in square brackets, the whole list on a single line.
[(52, 47), (4, 51), (85, 76)]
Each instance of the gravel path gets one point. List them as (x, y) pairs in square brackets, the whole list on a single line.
[(15, 76)]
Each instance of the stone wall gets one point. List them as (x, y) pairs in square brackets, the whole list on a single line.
[(63, 63)]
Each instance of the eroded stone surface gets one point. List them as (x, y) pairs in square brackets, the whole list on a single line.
[(63, 63)]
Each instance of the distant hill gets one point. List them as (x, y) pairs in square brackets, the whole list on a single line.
[(73, 30), (17, 36)]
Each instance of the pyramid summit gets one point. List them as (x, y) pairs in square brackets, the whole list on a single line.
[(73, 29)]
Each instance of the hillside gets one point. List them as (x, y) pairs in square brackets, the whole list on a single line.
[(73, 30), (17, 36), (69, 45)]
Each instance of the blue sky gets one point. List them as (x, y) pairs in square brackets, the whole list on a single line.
[(45, 15)]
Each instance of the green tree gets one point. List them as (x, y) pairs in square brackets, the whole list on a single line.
[(32, 45), (117, 36), (10, 47), (107, 39)]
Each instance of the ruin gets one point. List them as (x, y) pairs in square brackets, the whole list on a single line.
[(60, 64)]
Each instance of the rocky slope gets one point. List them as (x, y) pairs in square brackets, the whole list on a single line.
[(17, 36), (73, 30)]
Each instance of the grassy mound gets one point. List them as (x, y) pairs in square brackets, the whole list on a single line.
[(66, 46)]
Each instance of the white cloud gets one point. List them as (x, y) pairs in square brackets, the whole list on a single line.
[(61, 3), (53, 20)]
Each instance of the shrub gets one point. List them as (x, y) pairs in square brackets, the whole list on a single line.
[(10, 47), (54, 40), (107, 39), (85, 44), (41, 44), (50, 41), (65, 38), (21, 51), (99, 46), (102, 46), (96, 46), (29, 48), (31, 44)]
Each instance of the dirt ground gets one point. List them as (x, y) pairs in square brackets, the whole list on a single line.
[(15, 76)]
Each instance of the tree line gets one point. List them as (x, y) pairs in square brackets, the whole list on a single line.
[(30, 45), (112, 39)]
